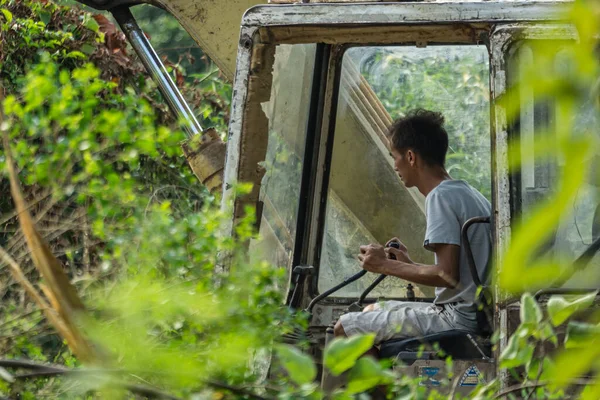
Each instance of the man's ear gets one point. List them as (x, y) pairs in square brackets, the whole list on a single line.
[(411, 158)]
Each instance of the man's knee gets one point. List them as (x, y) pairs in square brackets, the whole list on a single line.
[(338, 329), (370, 307)]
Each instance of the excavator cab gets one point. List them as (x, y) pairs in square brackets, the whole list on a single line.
[(316, 86)]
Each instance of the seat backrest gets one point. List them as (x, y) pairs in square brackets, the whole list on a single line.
[(483, 300)]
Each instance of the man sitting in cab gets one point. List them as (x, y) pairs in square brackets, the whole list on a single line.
[(418, 144)]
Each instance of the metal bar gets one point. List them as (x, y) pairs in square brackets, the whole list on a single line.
[(567, 291), (157, 70), (309, 163), (332, 90)]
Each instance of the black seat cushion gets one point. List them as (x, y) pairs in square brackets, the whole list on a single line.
[(455, 343)]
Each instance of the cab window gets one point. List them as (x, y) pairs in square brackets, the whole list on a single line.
[(292, 74), (540, 118), (366, 201)]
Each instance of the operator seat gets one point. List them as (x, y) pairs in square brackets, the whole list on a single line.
[(458, 344)]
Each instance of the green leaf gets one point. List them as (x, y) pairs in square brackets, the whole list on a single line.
[(545, 332), (87, 48), (300, 367), (341, 395), (572, 363), (91, 24), (518, 352), (7, 14), (539, 367), (581, 334), (6, 376), (591, 392), (342, 353), (45, 17), (366, 374), (531, 313), (560, 308), (76, 54)]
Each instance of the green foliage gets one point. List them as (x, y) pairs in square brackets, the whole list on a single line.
[(570, 150), (96, 157), (33, 31), (561, 308), (168, 321), (299, 366), (531, 313), (164, 314), (565, 75), (342, 354), (366, 374)]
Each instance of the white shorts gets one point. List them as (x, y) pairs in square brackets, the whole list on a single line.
[(398, 319)]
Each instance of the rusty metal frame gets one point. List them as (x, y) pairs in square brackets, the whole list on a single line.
[(403, 13), (234, 138), (323, 160)]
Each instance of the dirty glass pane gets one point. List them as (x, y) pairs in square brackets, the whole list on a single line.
[(367, 202), (537, 178), (287, 112)]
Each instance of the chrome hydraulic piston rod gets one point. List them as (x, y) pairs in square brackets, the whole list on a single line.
[(157, 70)]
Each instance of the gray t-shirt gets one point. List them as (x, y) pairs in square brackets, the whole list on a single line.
[(448, 207)]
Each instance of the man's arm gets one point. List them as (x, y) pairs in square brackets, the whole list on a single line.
[(445, 273)]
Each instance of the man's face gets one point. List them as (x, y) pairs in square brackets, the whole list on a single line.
[(404, 166)]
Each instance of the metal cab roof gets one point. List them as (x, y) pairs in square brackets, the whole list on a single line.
[(351, 12)]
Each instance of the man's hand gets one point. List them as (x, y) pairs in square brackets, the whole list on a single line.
[(372, 257)]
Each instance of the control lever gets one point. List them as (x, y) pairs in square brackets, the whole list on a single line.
[(357, 305), (333, 290), (395, 245)]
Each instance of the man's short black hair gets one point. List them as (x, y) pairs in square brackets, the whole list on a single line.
[(423, 132)]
